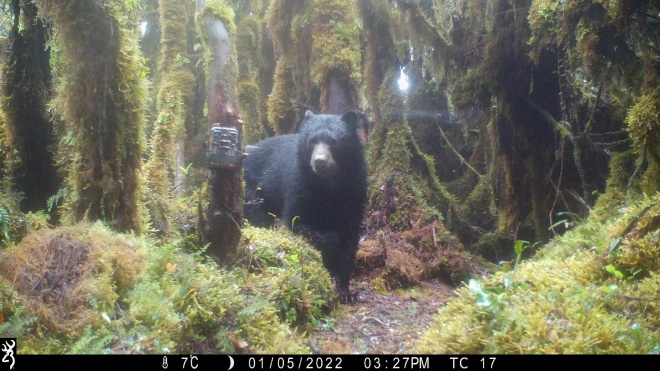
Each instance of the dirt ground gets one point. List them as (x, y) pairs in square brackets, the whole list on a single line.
[(388, 323), (403, 279)]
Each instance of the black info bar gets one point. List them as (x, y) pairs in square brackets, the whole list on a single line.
[(326, 362)]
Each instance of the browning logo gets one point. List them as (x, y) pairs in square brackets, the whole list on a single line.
[(8, 347)]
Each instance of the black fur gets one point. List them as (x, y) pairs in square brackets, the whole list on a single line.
[(328, 208)]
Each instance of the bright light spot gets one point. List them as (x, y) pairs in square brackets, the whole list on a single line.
[(143, 27), (403, 81)]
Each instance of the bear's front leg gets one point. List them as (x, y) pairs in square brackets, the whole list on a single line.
[(338, 257)]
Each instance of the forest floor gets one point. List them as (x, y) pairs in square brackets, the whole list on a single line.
[(423, 265), (388, 323)]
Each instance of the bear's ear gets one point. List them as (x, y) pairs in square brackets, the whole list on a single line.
[(351, 119), (309, 114)]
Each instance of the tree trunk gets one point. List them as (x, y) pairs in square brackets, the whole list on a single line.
[(29, 132), (337, 94), (163, 169), (225, 210), (100, 103)]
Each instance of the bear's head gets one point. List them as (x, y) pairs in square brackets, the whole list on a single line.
[(329, 145)]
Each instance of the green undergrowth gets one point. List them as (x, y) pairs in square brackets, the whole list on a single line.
[(592, 290), (85, 289)]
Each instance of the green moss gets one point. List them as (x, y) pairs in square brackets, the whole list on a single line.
[(174, 103), (637, 239), (335, 40), (249, 98), (248, 45), (99, 108), (256, 62), (281, 103), (222, 11), (616, 189), (300, 283), (557, 303), (315, 41), (27, 134), (127, 294), (249, 52), (643, 121), (66, 298), (640, 301), (18, 224), (290, 24), (419, 195)]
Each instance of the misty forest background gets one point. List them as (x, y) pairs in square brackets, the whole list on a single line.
[(513, 150)]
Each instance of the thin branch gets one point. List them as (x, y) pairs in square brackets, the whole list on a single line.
[(577, 197), (587, 127), (640, 298), (578, 164), (454, 149), (635, 218), (563, 131), (558, 192), (637, 168)]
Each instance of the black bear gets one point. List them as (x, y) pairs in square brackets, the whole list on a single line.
[(315, 182)]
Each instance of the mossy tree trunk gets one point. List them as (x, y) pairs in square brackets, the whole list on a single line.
[(498, 97), (163, 170), (28, 128), (290, 24), (539, 90), (225, 209), (405, 190), (520, 138), (336, 59), (319, 62), (255, 70), (150, 40), (99, 106)]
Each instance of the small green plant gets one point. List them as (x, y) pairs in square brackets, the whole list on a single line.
[(55, 199), (318, 319), (185, 170), (618, 274), (518, 247), (488, 298), (507, 270), (612, 288), (5, 219), (567, 222), (612, 270), (293, 258)]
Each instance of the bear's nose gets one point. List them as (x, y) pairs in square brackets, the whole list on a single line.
[(322, 162)]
